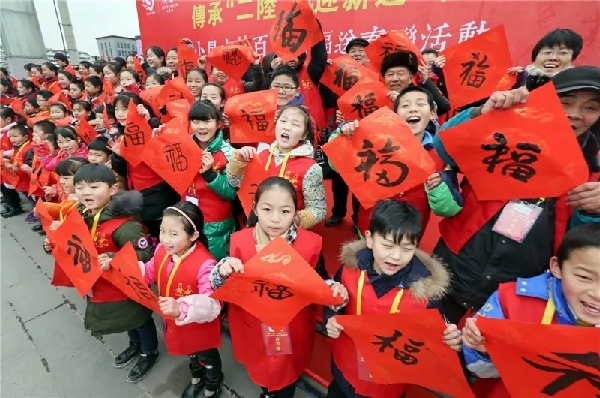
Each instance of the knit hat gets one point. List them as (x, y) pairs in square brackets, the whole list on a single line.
[(400, 58), (357, 41), (577, 78)]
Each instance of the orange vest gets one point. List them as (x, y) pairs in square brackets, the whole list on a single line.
[(273, 371), (183, 281), (293, 170), (18, 158), (345, 352), (213, 207), (39, 178)]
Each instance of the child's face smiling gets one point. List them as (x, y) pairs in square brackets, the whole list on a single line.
[(415, 110), (74, 91), (173, 236), (66, 144), (94, 195), (213, 94), (56, 113), (580, 276), (287, 90), (204, 130), (195, 82), (389, 257)]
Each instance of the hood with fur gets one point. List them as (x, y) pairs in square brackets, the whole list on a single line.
[(434, 286)]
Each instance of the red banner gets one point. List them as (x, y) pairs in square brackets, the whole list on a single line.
[(437, 24)]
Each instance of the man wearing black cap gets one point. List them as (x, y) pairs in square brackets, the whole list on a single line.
[(479, 264), (356, 50)]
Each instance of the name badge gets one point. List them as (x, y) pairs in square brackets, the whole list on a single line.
[(277, 342), (192, 200), (516, 220)]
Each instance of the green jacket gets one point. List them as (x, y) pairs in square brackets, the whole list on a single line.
[(218, 232), (120, 316)]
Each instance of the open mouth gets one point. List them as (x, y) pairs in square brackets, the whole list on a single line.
[(285, 136), (392, 266), (550, 65), (87, 202), (413, 120), (592, 309)]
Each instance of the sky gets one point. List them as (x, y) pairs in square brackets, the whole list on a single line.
[(90, 19)]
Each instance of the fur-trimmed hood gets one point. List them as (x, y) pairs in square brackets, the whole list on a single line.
[(431, 287)]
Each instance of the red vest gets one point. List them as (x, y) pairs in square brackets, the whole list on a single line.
[(103, 291), (193, 337), (18, 158), (39, 178), (515, 308), (344, 350), (273, 371), (294, 171), (458, 230), (142, 177), (312, 98), (213, 207), (416, 196), (233, 88), (5, 143)]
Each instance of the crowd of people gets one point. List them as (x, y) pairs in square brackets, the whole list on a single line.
[(201, 238)]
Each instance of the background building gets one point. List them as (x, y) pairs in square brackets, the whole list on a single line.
[(83, 56), (115, 46)]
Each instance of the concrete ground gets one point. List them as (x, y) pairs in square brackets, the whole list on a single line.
[(45, 351)]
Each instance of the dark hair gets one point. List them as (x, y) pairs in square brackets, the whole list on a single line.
[(158, 77), (51, 66), (430, 51), (46, 126), (133, 73), (61, 106), (396, 218), (33, 66), (33, 102), (8, 113), (174, 49), (285, 70), (69, 166), (120, 62), (85, 64), (6, 82), (267, 185), (45, 94), (84, 104), (51, 138), (581, 237), (98, 68), (80, 85), (114, 67), (22, 128), (158, 52), (95, 173), (204, 110), (559, 37), (94, 81), (202, 73), (110, 110), (308, 126), (61, 57), (100, 143), (71, 78), (414, 88), (220, 88), (67, 132), (28, 84), (195, 214), (27, 67)]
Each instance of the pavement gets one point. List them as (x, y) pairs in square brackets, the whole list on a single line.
[(46, 352)]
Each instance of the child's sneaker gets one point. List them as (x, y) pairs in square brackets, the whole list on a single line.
[(142, 367), (125, 358), (31, 218)]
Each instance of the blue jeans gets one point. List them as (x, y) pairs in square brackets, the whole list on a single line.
[(145, 336)]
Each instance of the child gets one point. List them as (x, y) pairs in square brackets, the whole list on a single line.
[(19, 137), (215, 94), (274, 212), (93, 89), (130, 81), (384, 273), (415, 105), (70, 145), (210, 189), (291, 157), (8, 118), (42, 99), (154, 80), (100, 153), (83, 109), (567, 295), (58, 112), (110, 216), (196, 331), (76, 91), (31, 107), (40, 155), (195, 80)]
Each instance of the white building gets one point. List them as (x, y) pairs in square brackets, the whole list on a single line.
[(115, 46)]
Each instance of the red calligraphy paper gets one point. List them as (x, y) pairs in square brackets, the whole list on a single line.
[(126, 275), (60, 98), (137, 133), (65, 121), (39, 179), (109, 92), (187, 59), (106, 119), (475, 67), (509, 154), (75, 253), (389, 43), (179, 109), (85, 131), (363, 99), (561, 361), (9, 176), (344, 73), (45, 217), (174, 90), (295, 29), (233, 60), (382, 159), (252, 117), (33, 120), (149, 97), (255, 174), (175, 158), (137, 67), (407, 348), (276, 284)]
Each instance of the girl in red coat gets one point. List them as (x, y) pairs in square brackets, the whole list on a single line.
[(181, 268), (19, 137), (274, 215)]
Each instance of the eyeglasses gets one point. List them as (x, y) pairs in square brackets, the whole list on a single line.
[(285, 89)]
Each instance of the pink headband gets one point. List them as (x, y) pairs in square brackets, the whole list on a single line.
[(184, 216)]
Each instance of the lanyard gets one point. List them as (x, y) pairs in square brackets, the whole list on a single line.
[(64, 211), (361, 285), (95, 222), (171, 275), (283, 164), (20, 150), (549, 311)]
